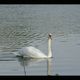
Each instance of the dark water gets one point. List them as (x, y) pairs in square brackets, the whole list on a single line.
[(29, 25)]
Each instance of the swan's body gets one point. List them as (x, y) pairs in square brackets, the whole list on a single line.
[(35, 53), (31, 52)]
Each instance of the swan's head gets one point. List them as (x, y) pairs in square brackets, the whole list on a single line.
[(50, 36)]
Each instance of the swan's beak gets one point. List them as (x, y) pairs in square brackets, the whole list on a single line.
[(50, 36)]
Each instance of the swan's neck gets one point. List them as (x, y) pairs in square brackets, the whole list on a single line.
[(49, 48)]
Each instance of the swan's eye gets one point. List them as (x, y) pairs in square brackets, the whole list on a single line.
[(50, 35)]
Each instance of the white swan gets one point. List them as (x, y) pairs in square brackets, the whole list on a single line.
[(36, 53)]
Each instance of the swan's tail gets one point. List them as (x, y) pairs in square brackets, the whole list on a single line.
[(16, 53)]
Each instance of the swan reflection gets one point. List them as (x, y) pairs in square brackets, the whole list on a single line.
[(49, 65), (28, 61), (33, 61)]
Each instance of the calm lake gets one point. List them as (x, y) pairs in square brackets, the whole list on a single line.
[(29, 25)]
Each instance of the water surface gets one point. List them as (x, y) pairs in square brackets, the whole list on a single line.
[(29, 25)]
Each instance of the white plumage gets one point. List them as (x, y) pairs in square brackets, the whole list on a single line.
[(31, 52)]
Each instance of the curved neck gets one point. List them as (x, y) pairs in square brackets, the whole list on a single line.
[(49, 48)]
